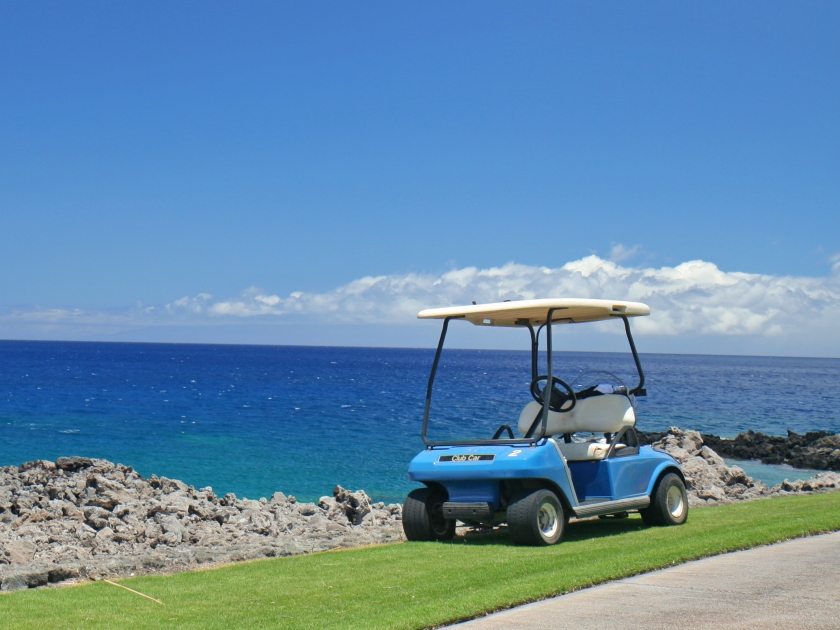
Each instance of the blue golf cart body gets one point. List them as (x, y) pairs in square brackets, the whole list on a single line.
[(577, 455)]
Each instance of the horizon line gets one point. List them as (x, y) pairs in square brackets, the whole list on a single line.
[(431, 348)]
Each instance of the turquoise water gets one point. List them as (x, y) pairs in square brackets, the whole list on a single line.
[(257, 419)]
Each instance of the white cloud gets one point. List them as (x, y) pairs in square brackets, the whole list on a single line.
[(620, 253), (197, 304), (693, 299)]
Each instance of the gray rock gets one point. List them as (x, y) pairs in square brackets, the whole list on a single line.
[(176, 503), (203, 556), (34, 576), (95, 516), (104, 536), (355, 505), (307, 509), (173, 529), (14, 582), (821, 481), (73, 464), (151, 562), (40, 463), (19, 551), (65, 572)]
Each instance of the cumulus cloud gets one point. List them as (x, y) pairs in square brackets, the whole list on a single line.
[(197, 304), (835, 260), (693, 298), (620, 253)]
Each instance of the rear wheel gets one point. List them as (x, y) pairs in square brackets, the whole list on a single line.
[(668, 503), (536, 517), (423, 516)]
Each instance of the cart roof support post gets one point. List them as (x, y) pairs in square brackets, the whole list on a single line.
[(432, 380), (639, 390), (549, 383)]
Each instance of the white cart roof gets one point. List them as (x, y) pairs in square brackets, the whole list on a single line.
[(510, 313)]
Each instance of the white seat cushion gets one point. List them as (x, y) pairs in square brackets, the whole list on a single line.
[(608, 413), (581, 451), (585, 451)]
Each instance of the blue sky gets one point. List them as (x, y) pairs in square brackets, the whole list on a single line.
[(156, 151)]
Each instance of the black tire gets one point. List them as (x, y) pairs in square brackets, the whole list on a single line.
[(668, 503), (536, 518), (422, 516)]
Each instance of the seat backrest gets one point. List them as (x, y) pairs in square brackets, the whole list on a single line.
[(608, 413)]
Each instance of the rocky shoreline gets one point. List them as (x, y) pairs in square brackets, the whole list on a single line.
[(79, 518), (817, 450), (710, 481)]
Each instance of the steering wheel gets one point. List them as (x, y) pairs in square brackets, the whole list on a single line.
[(558, 398)]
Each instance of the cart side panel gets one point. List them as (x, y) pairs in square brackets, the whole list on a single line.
[(591, 479), (631, 474)]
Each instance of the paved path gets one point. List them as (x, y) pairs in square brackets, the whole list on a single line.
[(795, 584)]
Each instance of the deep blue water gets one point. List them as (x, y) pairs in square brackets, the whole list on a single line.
[(257, 419)]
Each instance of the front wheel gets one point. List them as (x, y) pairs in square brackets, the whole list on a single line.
[(423, 516), (668, 503), (535, 517)]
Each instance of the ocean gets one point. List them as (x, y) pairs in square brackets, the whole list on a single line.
[(258, 419)]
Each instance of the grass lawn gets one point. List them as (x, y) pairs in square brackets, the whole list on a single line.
[(415, 585)]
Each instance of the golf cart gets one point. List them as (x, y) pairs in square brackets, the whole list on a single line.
[(577, 454)]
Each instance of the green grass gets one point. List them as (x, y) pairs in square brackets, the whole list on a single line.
[(415, 585)]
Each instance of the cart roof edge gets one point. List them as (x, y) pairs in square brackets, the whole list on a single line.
[(535, 312)]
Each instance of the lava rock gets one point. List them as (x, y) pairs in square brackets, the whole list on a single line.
[(819, 450), (709, 481), (72, 464), (79, 518)]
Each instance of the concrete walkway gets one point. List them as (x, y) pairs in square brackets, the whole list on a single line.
[(791, 585)]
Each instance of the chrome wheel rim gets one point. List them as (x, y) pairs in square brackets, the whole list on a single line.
[(676, 504), (547, 520)]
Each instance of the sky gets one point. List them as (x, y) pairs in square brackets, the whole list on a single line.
[(285, 172)]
